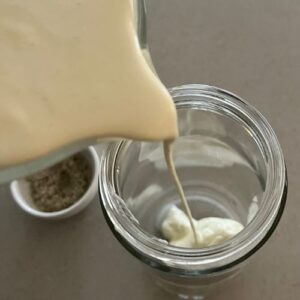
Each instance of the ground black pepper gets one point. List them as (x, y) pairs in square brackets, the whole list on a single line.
[(62, 185)]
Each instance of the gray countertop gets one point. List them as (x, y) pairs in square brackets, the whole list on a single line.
[(251, 48)]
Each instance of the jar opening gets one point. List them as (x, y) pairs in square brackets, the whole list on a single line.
[(121, 173)]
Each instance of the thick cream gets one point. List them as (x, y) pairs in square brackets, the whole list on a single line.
[(73, 70), (212, 231)]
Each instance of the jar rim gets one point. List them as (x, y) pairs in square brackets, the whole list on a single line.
[(159, 253)]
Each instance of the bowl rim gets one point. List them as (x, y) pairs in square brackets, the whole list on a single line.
[(20, 200)]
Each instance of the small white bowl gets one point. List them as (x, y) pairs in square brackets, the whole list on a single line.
[(21, 193)]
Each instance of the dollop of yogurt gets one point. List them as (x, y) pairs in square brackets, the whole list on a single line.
[(210, 231)]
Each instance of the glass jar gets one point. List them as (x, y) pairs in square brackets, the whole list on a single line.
[(230, 164)]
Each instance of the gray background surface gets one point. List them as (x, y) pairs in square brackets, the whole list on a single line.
[(249, 47)]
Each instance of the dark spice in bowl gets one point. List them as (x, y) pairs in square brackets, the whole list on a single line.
[(60, 186)]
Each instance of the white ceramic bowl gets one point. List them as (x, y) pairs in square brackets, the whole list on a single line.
[(21, 193)]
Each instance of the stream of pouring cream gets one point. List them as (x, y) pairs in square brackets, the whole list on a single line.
[(171, 167)]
